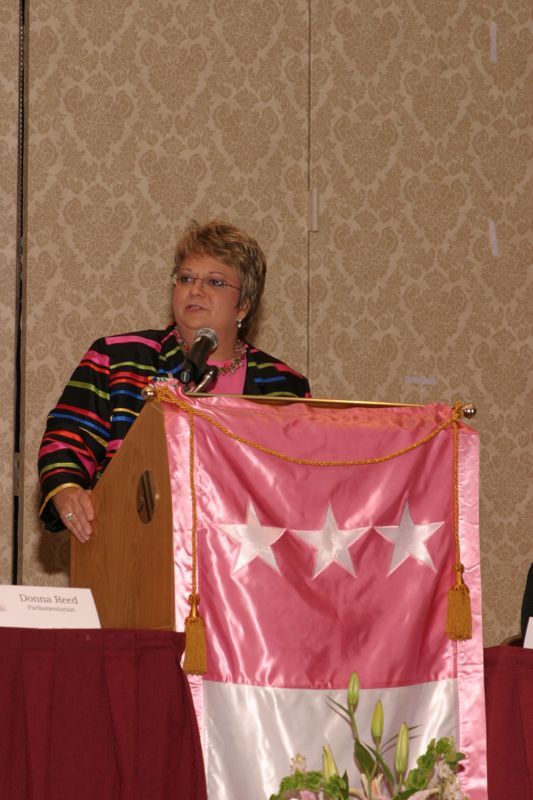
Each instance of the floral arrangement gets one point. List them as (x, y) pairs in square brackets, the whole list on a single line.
[(435, 775)]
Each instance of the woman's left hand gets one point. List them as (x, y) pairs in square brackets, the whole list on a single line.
[(75, 507)]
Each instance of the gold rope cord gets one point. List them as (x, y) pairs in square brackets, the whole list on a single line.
[(165, 395), (459, 620), (195, 661), (459, 616)]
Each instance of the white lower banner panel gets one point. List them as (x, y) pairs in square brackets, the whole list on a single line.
[(251, 733)]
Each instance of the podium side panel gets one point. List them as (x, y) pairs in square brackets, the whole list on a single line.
[(128, 564)]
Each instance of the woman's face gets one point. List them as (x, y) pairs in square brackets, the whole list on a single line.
[(202, 304)]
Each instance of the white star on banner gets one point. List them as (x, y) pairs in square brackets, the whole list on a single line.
[(408, 540), (255, 540), (332, 544)]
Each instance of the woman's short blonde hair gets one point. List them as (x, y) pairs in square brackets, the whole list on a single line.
[(228, 244)]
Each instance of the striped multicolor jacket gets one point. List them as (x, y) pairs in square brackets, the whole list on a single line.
[(103, 398)]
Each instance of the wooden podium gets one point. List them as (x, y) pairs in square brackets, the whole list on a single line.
[(128, 563)]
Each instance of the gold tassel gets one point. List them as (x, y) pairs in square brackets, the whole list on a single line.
[(459, 618), (195, 661)]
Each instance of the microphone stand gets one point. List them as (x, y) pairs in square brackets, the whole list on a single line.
[(208, 377)]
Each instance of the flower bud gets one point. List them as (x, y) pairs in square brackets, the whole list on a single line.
[(376, 726), (329, 767), (353, 691), (401, 755)]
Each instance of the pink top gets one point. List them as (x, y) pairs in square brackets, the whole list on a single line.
[(232, 383)]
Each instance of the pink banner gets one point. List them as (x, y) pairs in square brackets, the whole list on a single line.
[(308, 572)]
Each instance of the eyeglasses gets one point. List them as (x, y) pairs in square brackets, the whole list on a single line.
[(216, 284)]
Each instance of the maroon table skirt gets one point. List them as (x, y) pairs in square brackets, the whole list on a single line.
[(96, 715), (509, 705)]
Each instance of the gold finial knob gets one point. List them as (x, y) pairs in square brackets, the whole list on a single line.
[(149, 392), (469, 410)]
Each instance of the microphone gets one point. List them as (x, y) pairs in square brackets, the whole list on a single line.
[(195, 365)]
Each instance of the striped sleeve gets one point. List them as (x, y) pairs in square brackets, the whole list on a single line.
[(271, 377), (77, 431), (95, 411)]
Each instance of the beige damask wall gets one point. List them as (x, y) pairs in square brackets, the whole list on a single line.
[(142, 116), (411, 121), (421, 270), (9, 29)]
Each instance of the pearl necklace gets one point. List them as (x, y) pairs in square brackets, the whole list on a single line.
[(228, 367)]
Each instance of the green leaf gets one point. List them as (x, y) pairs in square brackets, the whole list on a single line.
[(363, 758), (426, 761), (336, 787), (384, 766), (311, 781), (405, 794), (418, 779), (340, 710)]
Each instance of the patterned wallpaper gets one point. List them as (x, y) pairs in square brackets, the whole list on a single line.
[(412, 122), (9, 48), (421, 152), (143, 116)]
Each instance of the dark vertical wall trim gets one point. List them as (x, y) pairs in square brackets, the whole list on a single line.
[(21, 202)]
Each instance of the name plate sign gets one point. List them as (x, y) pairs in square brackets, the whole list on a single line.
[(47, 607)]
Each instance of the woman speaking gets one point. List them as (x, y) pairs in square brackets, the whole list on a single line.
[(218, 276)]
